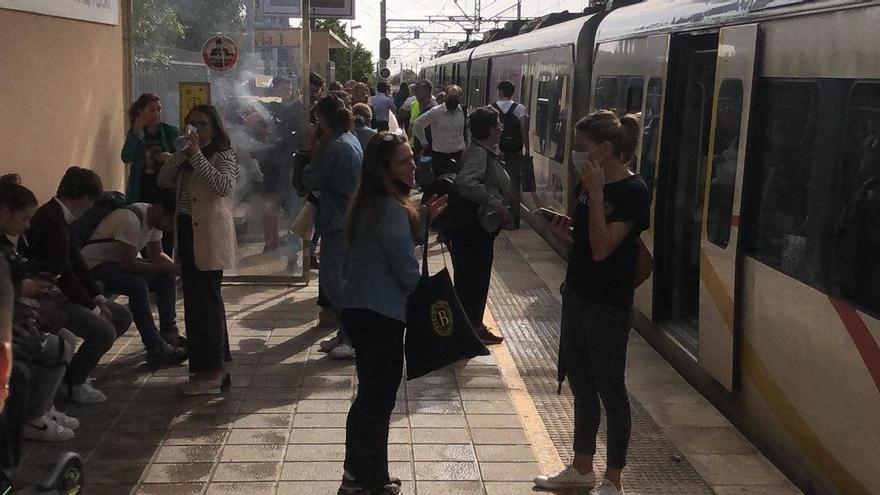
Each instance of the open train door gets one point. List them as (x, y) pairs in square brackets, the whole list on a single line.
[(737, 48)]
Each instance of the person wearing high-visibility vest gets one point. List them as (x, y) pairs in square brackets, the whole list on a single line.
[(421, 101)]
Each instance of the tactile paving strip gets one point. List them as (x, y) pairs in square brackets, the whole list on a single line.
[(529, 315)]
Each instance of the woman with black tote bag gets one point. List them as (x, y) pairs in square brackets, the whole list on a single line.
[(383, 225)]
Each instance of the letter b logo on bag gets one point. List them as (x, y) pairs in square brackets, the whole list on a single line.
[(441, 318)]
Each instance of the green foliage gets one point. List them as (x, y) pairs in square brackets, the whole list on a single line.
[(160, 26), (362, 58)]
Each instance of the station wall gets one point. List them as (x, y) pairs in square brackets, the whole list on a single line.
[(62, 98)]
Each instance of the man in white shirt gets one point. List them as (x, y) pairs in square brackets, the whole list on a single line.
[(382, 103), (514, 144), (112, 257), (448, 131)]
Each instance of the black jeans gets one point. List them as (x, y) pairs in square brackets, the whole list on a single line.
[(513, 165), (443, 163), (204, 311), (378, 342), (472, 250), (593, 346)]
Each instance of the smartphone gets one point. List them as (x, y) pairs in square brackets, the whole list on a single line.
[(551, 215)]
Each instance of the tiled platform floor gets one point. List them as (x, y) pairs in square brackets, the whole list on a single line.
[(281, 427)]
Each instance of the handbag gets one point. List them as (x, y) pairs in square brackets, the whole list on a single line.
[(304, 223), (438, 332), (644, 265)]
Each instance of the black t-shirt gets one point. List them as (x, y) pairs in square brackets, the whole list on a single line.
[(154, 145), (610, 280)]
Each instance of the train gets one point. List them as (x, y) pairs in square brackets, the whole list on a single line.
[(761, 147)]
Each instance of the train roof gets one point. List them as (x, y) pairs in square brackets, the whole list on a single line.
[(550, 36), (653, 16), (556, 35)]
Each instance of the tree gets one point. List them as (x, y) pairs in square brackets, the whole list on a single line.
[(160, 26), (362, 58)]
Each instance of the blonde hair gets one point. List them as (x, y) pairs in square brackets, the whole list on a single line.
[(622, 133)]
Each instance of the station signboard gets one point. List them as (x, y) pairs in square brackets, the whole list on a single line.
[(327, 9), (100, 11)]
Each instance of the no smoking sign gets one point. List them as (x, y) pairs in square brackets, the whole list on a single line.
[(220, 53)]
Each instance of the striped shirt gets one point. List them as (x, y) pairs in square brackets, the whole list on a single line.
[(220, 174)]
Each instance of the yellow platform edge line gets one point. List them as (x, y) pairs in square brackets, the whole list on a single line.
[(535, 431)]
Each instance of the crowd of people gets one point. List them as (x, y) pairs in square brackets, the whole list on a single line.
[(355, 162)]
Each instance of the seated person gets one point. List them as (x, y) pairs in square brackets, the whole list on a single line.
[(112, 256), (89, 315)]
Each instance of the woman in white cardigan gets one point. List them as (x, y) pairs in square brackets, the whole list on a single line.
[(204, 174)]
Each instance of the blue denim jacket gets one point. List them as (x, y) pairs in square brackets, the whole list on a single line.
[(334, 174), (382, 268)]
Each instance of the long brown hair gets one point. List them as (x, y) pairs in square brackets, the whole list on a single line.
[(376, 185), (220, 141)]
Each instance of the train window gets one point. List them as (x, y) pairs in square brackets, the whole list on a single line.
[(855, 263), (634, 89), (724, 161), (782, 171), (559, 118), (542, 111), (606, 94), (651, 131)]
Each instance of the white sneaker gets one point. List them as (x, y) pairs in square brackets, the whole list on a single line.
[(567, 478), (85, 393), (64, 420), (342, 351), (45, 429), (606, 488)]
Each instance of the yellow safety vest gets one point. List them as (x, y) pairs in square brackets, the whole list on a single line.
[(414, 111)]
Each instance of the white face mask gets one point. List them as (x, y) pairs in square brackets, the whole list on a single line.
[(579, 160)]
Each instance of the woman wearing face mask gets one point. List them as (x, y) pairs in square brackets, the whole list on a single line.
[(613, 209), (383, 225), (147, 147), (205, 174)]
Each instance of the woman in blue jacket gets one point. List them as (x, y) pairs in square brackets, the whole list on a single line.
[(383, 225)]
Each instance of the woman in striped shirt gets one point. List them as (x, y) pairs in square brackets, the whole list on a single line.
[(205, 174)]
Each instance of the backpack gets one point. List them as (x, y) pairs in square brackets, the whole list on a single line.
[(511, 136), (82, 228)]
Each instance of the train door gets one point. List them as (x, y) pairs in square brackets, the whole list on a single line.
[(680, 193), (718, 267)]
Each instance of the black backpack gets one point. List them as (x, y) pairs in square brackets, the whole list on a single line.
[(460, 211), (511, 136), (82, 228)]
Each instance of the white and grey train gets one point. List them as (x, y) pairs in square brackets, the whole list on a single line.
[(761, 144)]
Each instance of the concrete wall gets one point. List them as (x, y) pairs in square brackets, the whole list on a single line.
[(62, 98)]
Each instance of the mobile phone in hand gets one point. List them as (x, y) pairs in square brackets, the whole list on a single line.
[(551, 215)]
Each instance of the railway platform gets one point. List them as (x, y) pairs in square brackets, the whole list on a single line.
[(485, 427)]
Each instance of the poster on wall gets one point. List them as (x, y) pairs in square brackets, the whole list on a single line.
[(100, 11), (192, 94)]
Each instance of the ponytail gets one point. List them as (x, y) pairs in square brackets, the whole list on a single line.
[(623, 133), (139, 105), (14, 196)]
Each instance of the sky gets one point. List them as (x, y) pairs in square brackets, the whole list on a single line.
[(405, 52)]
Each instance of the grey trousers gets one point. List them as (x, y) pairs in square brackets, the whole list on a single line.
[(48, 375), (98, 336)]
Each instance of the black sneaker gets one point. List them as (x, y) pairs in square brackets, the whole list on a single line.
[(166, 355), (174, 338), (350, 487), (389, 489)]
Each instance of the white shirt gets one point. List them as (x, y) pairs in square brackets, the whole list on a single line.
[(123, 226), (519, 112), (447, 129), (68, 215)]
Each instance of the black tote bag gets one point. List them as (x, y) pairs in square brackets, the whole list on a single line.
[(438, 332)]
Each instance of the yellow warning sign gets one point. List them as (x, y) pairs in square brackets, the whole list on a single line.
[(192, 94)]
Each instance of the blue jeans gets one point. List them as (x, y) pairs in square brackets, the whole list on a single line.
[(331, 274), (137, 288)]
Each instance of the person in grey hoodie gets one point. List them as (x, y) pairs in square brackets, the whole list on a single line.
[(383, 227)]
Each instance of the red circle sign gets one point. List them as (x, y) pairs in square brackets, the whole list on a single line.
[(220, 53)]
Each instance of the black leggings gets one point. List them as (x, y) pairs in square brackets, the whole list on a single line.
[(593, 349), (378, 343)]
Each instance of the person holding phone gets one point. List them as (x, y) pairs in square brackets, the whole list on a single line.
[(597, 297), (148, 145)]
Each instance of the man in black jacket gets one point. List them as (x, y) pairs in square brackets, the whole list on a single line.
[(91, 317)]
